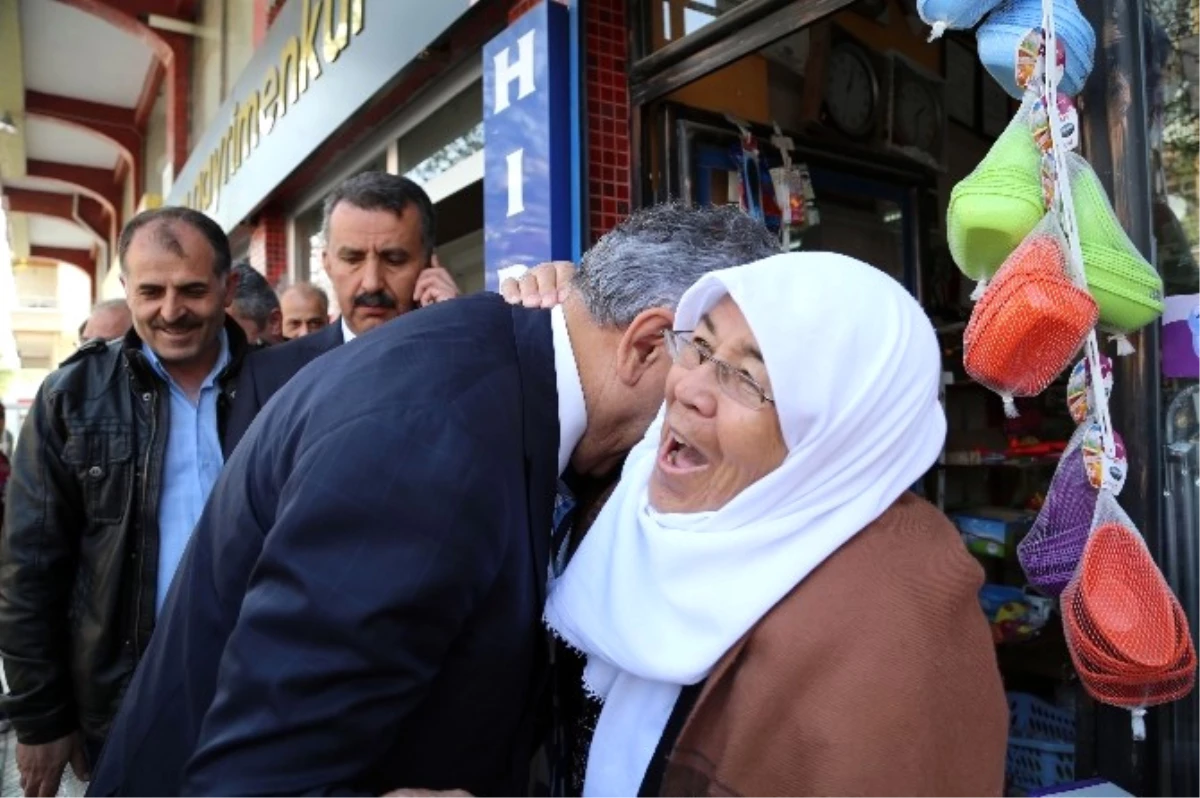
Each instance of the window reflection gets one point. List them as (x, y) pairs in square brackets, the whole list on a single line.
[(676, 19), (1172, 74)]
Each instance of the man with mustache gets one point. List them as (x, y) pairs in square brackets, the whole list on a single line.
[(360, 605), (117, 457), (379, 235)]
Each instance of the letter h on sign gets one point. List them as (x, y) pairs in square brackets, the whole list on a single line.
[(526, 181)]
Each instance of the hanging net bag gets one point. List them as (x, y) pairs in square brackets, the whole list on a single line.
[(943, 15), (1010, 37), (1031, 320), (1128, 290), (994, 208), (1126, 631)]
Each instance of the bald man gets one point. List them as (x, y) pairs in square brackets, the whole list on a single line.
[(305, 310), (108, 320)]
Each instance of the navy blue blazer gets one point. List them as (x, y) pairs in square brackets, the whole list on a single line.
[(359, 606), (266, 370)]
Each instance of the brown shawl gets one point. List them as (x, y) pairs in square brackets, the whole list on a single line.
[(875, 676)]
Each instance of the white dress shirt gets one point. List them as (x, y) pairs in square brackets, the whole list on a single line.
[(572, 413), (347, 334)]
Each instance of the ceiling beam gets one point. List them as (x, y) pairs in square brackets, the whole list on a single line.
[(118, 125), (124, 15), (82, 258), (96, 183), (83, 212)]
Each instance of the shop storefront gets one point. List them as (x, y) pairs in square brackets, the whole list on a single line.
[(871, 126), (335, 89)]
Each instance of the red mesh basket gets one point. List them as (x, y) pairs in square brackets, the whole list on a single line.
[(1030, 322), (1126, 630)]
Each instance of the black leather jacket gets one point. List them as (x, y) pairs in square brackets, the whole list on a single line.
[(79, 550)]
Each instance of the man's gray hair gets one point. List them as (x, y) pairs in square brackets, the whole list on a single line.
[(659, 252), (253, 295), (304, 288)]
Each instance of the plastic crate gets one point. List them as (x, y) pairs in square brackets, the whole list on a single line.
[(1031, 717), (1036, 764)]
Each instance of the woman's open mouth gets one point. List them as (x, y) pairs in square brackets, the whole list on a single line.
[(677, 456)]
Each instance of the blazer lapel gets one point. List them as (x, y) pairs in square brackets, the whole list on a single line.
[(539, 396)]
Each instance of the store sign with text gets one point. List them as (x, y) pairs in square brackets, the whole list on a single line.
[(322, 60), (527, 157)]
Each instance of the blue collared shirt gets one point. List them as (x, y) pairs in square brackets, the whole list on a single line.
[(190, 469)]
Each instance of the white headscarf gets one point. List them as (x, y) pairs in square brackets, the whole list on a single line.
[(653, 599)]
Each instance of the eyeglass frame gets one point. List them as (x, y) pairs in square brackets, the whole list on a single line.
[(679, 341)]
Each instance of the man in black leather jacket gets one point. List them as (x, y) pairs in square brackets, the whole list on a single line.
[(81, 576)]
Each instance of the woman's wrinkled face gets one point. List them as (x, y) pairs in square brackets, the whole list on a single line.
[(717, 439)]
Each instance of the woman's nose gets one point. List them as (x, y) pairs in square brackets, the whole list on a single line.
[(697, 388)]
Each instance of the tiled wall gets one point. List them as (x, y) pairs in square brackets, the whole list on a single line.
[(268, 247), (608, 137)]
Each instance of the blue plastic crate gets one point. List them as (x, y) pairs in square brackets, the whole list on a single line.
[(1035, 764), (1029, 716)]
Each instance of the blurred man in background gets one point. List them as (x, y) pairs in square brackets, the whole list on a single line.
[(255, 307), (305, 309), (108, 320)]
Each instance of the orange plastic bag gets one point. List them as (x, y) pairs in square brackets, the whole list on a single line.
[(1126, 631), (1031, 320)]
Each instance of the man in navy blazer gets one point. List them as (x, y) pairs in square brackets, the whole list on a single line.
[(379, 231), (360, 605)]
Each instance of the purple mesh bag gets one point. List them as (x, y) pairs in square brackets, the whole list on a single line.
[(1050, 552)]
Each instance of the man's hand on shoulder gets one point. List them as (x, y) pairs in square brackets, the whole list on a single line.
[(42, 766), (543, 286)]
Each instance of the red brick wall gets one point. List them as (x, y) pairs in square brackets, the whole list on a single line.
[(268, 247), (608, 137)]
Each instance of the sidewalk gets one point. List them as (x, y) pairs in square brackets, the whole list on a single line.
[(10, 778)]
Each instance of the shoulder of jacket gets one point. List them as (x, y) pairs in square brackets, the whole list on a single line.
[(89, 348)]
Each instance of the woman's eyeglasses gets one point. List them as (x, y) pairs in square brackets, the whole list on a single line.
[(735, 382)]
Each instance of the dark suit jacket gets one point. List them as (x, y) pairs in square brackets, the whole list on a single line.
[(359, 607), (266, 370)]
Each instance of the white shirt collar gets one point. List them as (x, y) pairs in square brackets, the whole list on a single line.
[(347, 334), (572, 412)]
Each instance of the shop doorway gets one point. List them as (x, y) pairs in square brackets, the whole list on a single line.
[(880, 124)]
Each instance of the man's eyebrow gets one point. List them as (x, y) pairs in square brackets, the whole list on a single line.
[(707, 321), (345, 251)]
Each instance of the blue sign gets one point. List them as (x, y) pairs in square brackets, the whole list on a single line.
[(527, 153)]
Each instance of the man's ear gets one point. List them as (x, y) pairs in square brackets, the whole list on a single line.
[(275, 323), (642, 347), (232, 279)]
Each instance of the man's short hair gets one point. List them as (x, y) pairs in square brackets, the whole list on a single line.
[(160, 220), (380, 191), (659, 252), (104, 306), (253, 297)]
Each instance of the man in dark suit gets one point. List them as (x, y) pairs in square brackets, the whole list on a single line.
[(379, 235), (360, 605)]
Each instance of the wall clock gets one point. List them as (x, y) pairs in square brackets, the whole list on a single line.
[(851, 90)]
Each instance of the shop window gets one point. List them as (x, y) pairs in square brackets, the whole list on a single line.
[(444, 154)]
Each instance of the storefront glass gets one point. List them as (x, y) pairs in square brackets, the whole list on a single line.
[(672, 20), (1172, 88), (840, 91)]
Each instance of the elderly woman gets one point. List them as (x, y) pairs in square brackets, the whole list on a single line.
[(764, 607)]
